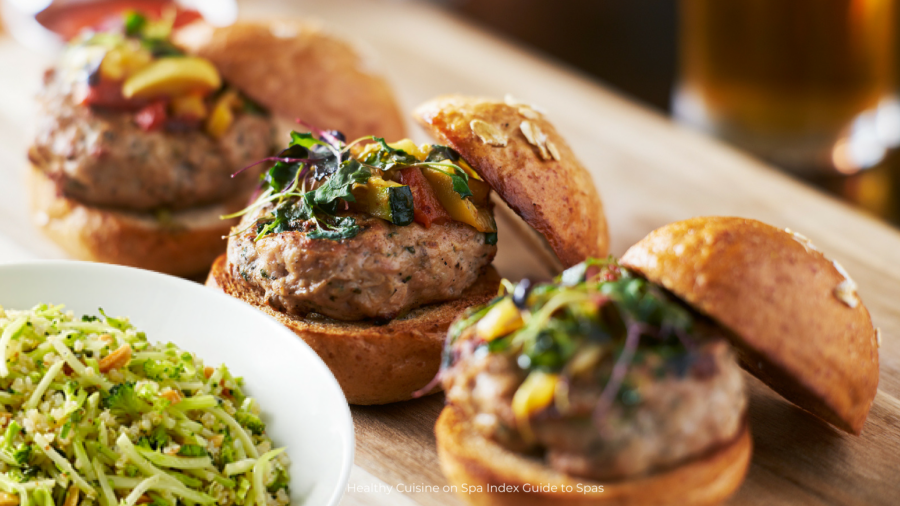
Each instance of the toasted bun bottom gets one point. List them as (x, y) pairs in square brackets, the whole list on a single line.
[(374, 364), (470, 460), (184, 245)]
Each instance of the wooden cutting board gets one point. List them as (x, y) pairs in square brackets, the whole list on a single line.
[(649, 172)]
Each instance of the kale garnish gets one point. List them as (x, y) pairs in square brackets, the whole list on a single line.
[(321, 206), (321, 161), (440, 153), (303, 152), (134, 23), (153, 36), (386, 158)]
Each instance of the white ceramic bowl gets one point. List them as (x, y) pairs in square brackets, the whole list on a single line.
[(302, 404)]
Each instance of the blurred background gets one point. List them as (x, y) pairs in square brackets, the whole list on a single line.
[(807, 85)]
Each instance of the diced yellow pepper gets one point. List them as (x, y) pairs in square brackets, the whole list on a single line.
[(460, 209), (384, 199), (220, 118), (8, 499), (585, 359), (534, 394), (411, 148), (123, 61), (501, 320), (189, 106), (172, 76), (480, 192), (469, 170)]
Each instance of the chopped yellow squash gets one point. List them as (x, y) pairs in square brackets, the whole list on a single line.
[(123, 61), (8, 499), (219, 120), (469, 170), (585, 359), (222, 116), (480, 191), (172, 76), (501, 320), (460, 209), (534, 394), (189, 106), (411, 148), (384, 199)]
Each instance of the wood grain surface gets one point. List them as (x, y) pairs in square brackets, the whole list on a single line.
[(649, 172)]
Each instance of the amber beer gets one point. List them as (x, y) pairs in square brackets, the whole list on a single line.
[(799, 82)]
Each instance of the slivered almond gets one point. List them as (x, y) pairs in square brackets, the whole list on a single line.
[(172, 396), (116, 359), (529, 113), (536, 137), (217, 440), (144, 499), (846, 289), (72, 496), (554, 152), (489, 134), (8, 499), (208, 371)]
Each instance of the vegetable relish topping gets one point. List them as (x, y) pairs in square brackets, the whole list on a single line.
[(597, 322), (319, 178), (137, 69), (95, 414)]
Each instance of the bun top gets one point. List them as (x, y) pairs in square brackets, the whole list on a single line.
[(793, 314), (519, 153), (298, 71)]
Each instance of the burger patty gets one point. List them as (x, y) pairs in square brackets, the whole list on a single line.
[(383, 272), (103, 158), (675, 417)]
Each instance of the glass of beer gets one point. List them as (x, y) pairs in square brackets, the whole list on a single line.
[(805, 84)]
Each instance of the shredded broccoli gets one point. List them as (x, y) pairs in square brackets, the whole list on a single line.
[(192, 451), (15, 455), (251, 422), (227, 453), (157, 439), (123, 401), (115, 323), (111, 432), (157, 500), (280, 481), (243, 487), (161, 370)]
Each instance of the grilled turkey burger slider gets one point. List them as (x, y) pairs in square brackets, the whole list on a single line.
[(619, 383), (369, 251), (137, 137)]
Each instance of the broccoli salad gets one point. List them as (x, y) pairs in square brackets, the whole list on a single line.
[(93, 413)]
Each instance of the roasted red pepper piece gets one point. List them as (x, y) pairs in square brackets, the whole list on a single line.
[(426, 207), (108, 95), (152, 117)]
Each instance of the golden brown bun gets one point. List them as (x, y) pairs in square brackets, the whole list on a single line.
[(555, 196), (298, 71), (469, 458), (185, 245), (777, 295), (374, 364)]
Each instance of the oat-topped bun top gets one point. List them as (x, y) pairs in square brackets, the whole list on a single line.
[(795, 315), (518, 152), (297, 70)]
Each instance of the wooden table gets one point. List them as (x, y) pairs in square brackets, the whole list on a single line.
[(649, 172)]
